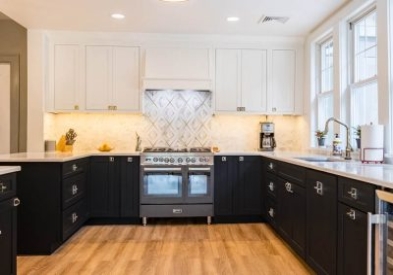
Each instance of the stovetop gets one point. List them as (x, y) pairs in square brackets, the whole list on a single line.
[(177, 156)]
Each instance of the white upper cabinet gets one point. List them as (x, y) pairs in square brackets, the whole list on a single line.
[(64, 85), (283, 81), (177, 68), (241, 77), (112, 78)]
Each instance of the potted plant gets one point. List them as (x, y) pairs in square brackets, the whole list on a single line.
[(321, 137), (357, 132)]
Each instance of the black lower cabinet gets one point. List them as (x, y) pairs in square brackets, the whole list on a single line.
[(352, 240), (291, 218), (8, 217), (321, 252), (114, 187), (237, 187)]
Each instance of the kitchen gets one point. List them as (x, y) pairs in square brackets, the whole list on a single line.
[(75, 81)]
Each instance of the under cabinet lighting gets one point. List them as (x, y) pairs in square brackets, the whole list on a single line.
[(118, 16), (233, 19)]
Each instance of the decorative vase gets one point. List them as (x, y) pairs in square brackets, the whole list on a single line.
[(321, 142)]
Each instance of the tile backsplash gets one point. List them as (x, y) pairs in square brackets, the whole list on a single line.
[(177, 119)]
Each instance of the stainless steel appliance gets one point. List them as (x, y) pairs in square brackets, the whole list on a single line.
[(176, 183), (267, 141), (382, 260)]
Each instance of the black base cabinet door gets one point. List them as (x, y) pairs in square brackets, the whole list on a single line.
[(321, 222), (224, 168), (129, 187), (247, 196), (104, 188), (291, 218), (8, 218), (352, 241)]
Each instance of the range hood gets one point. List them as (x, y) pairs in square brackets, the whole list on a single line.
[(177, 84), (178, 68)]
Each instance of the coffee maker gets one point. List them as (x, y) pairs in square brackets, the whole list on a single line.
[(266, 139)]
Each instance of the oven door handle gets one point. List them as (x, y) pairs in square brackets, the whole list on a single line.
[(162, 169), (206, 169)]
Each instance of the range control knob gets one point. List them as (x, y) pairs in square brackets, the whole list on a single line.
[(202, 159), (188, 160), (166, 160), (179, 160), (155, 159), (160, 159), (193, 160), (172, 160)]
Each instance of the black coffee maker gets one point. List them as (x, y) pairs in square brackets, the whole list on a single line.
[(266, 140)]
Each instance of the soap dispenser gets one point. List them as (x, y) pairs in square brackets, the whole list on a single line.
[(337, 145)]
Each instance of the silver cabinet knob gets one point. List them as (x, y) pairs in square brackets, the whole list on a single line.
[(16, 202), (241, 158), (271, 186), (74, 167), (74, 189), (224, 159), (271, 212), (111, 159), (353, 193), (129, 159), (319, 188), (288, 187), (271, 166), (3, 187), (74, 217), (352, 214)]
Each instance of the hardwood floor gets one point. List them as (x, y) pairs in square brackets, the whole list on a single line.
[(169, 247)]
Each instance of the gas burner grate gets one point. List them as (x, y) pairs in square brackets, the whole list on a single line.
[(200, 150)]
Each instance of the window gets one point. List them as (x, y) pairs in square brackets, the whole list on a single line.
[(364, 86), (325, 84)]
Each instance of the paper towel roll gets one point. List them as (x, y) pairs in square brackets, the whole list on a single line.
[(371, 143)]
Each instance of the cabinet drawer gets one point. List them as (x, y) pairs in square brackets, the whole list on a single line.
[(74, 167), (7, 186), (74, 189), (200, 210), (292, 173), (356, 194), (73, 218), (271, 185)]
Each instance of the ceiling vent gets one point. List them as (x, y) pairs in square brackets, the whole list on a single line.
[(267, 18)]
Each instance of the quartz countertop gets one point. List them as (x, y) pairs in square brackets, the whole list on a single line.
[(59, 156), (377, 174), (8, 169)]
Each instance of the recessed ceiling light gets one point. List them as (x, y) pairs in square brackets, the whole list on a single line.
[(118, 16), (174, 0), (232, 19)]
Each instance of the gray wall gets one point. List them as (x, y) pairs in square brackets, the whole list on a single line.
[(13, 41)]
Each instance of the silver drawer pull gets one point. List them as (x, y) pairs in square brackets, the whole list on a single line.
[(111, 159), (352, 214), (241, 158), (74, 167), (0, 233), (271, 166), (74, 189), (3, 187), (129, 159), (271, 212), (16, 202), (177, 211), (271, 186), (74, 217), (353, 193), (319, 188), (288, 187), (224, 159)]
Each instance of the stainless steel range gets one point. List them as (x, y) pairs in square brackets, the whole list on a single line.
[(176, 183)]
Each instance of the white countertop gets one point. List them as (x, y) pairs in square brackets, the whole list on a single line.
[(9, 169), (59, 156), (377, 174)]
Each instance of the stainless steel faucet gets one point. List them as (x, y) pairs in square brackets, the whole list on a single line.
[(348, 148)]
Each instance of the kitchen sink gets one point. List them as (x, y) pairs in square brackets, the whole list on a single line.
[(319, 159)]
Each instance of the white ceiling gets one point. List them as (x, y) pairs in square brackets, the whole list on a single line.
[(155, 16)]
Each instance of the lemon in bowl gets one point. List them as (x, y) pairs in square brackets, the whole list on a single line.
[(105, 147)]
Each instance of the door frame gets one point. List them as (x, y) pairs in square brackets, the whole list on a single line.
[(13, 60)]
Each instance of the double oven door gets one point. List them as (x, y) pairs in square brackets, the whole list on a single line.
[(176, 184)]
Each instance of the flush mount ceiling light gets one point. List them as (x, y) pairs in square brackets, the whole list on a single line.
[(174, 0), (118, 16), (232, 19)]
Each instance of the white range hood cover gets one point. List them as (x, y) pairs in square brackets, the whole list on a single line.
[(177, 84)]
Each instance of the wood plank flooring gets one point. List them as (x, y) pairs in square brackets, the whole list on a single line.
[(166, 246)]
